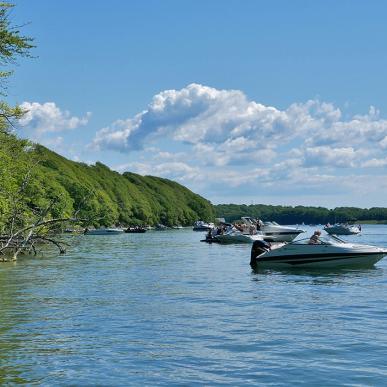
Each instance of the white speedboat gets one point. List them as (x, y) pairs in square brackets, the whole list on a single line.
[(236, 236), (103, 231), (161, 227), (272, 231), (342, 229), (329, 252), (200, 225)]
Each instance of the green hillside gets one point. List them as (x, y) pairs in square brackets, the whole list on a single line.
[(112, 198), (100, 194)]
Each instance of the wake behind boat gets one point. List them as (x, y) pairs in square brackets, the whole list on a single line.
[(330, 251)]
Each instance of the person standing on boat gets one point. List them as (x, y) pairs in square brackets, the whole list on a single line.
[(315, 238)]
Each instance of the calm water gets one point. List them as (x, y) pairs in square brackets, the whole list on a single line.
[(162, 308)]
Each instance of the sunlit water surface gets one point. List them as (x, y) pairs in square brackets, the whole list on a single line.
[(161, 308)]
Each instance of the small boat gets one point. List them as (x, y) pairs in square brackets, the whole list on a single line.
[(200, 225), (331, 251), (342, 229), (103, 231), (227, 233), (161, 227), (236, 236), (272, 231), (135, 230)]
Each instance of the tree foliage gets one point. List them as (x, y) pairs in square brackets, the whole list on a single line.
[(107, 197), (13, 45), (26, 209)]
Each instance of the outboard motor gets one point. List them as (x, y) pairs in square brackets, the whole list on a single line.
[(258, 248)]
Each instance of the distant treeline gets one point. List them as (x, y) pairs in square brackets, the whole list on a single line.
[(299, 214)]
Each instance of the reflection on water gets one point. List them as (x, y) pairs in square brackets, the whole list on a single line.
[(10, 343), (163, 308), (334, 274)]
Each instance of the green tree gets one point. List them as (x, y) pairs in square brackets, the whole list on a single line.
[(14, 154), (40, 189), (13, 45)]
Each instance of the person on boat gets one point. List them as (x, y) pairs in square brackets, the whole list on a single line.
[(238, 227), (315, 238), (259, 224)]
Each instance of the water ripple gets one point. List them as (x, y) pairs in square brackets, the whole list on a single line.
[(161, 308)]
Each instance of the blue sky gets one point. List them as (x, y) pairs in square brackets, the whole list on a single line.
[(251, 102)]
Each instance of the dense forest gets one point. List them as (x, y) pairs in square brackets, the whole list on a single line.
[(98, 194), (300, 214), (111, 198)]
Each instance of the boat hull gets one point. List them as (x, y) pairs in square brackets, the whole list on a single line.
[(136, 231), (341, 231), (284, 236), (327, 261), (228, 239), (202, 228), (103, 232)]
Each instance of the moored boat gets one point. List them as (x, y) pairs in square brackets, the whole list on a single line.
[(103, 231), (235, 236), (227, 233), (330, 251), (161, 227), (135, 230), (342, 229), (272, 231), (200, 225)]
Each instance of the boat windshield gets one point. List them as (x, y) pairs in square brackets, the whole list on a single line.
[(324, 240)]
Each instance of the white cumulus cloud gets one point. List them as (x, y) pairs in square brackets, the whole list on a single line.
[(325, 155), (48, 117), (222, 138), (197, 114), (375, 163), (200, 114)]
